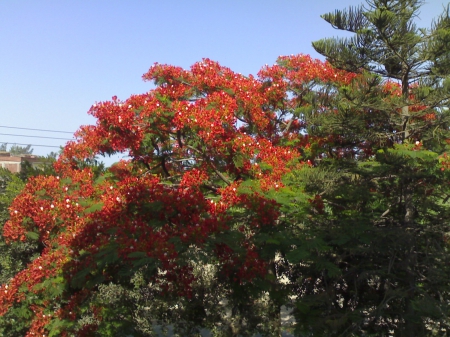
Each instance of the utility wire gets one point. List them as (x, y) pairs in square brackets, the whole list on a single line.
[(10, 134), (14, 127), (33, 145)]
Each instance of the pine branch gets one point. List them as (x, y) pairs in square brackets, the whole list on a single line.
[(351, 20)]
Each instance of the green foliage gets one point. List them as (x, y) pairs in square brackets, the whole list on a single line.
[(354, 266), (45, 167), (16, 149), (14, 256), (360, 246), (439, 37), (372, 256)]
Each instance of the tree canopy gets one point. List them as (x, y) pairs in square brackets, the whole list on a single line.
[(206, 145), (16, 149), (320, 186)]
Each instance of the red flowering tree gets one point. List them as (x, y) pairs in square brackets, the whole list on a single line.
[(206, 147)]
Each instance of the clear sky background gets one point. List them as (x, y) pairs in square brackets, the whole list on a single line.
[(59, 57)]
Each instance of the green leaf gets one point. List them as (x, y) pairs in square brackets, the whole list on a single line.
[(41, 192), (32, 235), (147, 261), (137, 255), (270, 277), (79, 279), (229, 91), (297, 256), (66, 181), (238, 160), (273, 241), (94, 208), (56, 326)]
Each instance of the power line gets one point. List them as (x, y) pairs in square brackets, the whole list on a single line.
[(15, 127), (10, 134), (32, 145)]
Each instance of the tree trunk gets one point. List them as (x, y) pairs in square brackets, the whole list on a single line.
[(274, 308)]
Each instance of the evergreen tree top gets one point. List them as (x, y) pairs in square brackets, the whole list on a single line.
[(386, 40)]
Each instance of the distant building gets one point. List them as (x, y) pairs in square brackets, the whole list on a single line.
[(13, 162)]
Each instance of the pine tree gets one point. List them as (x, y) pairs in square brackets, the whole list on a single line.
[(379, 207)]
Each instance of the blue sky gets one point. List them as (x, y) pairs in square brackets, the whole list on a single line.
[(59, 57)]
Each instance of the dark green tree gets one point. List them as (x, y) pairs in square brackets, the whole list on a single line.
[(16, 149), (374, 251)]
